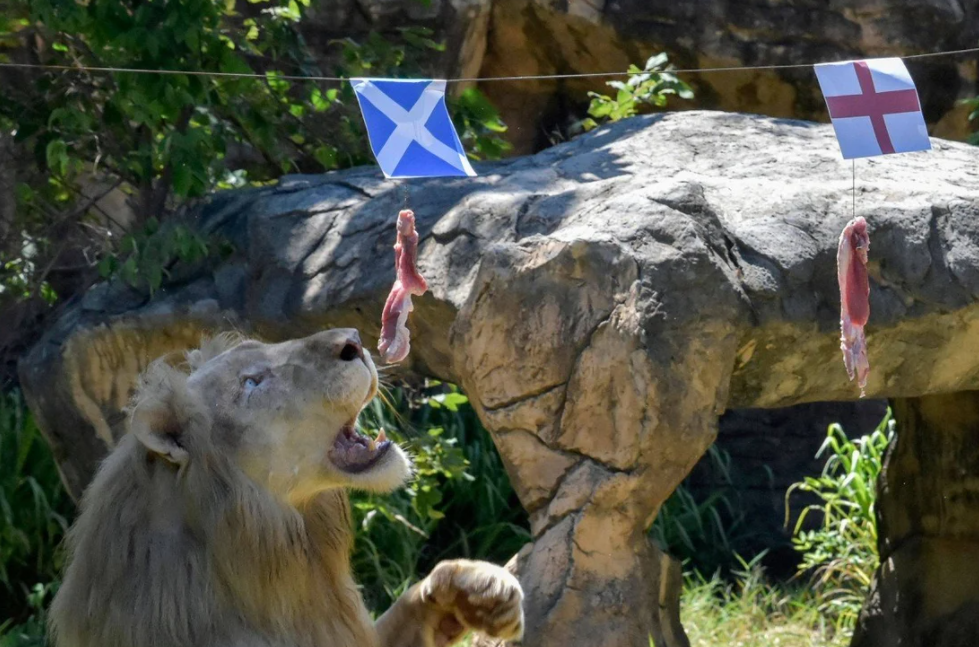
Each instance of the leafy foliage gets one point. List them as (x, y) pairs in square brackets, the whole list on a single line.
[(34, 509), (15, 280), (650, 86), (973, 116), (706, 532), (166, 140), (460, 503), (479, 125), (160, 134), (33, 631), (162, 139), (842, 552), (146, 256)]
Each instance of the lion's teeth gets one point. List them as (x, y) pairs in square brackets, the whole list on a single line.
[(371, 445), (382, 437)]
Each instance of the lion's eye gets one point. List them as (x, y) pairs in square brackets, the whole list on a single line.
[(251, 382)]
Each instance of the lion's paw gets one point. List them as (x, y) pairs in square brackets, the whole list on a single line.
[(479, 596)]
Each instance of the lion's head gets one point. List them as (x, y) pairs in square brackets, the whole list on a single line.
[(223, 515), (286, 413)]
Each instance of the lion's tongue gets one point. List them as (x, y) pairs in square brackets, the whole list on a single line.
[(352, 450)]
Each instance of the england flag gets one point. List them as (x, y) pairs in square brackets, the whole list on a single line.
[(409, 128), (874, 107)]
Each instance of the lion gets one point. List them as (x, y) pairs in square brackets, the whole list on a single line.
[(221, 518)]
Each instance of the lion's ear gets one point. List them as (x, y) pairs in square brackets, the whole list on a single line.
[(162, 411)]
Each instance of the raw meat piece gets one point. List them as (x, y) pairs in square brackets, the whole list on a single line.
[(851, 268), (394, 342)]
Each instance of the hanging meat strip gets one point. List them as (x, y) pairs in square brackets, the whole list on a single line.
[(851, 267), (394, 342)]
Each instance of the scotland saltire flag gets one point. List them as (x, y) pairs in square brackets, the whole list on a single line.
[(409, 128), (874, 107)]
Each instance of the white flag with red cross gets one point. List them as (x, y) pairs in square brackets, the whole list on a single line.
[(874, 107)]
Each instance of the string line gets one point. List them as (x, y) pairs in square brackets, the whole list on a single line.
[(528, 77), (853, 191)]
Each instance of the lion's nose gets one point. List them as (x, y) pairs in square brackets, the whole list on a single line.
[(352, 348), (340, 343)]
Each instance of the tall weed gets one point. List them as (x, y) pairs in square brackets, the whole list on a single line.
[(34, 509), (841, 553), (706, 532), (33, 631)]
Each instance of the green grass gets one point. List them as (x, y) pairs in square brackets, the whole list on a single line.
[(820, 607), (749, 611)]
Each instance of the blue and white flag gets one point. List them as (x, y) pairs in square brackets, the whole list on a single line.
[(409, 128)]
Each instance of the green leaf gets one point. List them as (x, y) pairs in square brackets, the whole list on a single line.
[(154, 277), (275, 82), (152, 44), (182, 180), (657, 61), (600, 107), (320, 102), (326, 156), (25, 194), (452, 401), (56, 155), (232, 63), (107, 266), (129, 272)]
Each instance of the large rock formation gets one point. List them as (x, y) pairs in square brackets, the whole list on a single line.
[(519, 37), (927, 592), (602, 303)]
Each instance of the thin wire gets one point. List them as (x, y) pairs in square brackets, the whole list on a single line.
[(853, 191), (341, 79)]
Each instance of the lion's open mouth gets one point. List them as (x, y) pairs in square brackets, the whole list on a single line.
[(353, 452)]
